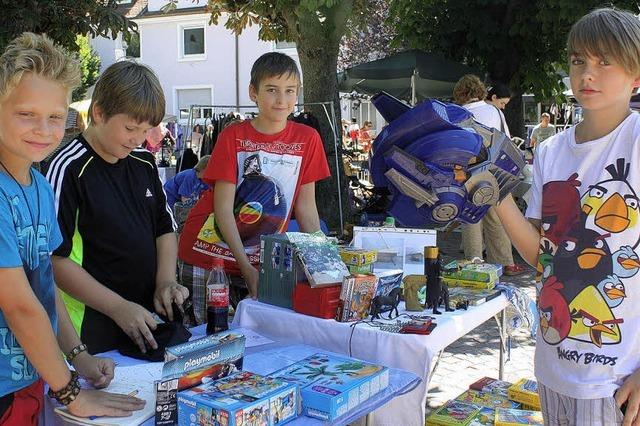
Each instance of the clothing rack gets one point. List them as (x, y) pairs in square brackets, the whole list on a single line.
[(330, 113)]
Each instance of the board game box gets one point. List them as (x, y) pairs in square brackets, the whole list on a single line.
[(486, 399), (513, 417), (474, 296), (242, 399), (453, 413), (485, 417), (457, 282), (467, 270), (525, 391), (358, 257), (332, 386)]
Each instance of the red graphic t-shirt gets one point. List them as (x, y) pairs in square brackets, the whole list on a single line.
[(268, 171)]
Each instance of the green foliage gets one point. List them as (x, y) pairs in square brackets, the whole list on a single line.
[(519, 42), (90, 64), (62, 20)]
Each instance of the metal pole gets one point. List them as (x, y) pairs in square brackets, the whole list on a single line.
[(414, 99), (503, 331), (335, 147)]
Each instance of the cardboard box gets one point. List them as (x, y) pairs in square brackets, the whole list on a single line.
[(331, 386), (453, 413), (242, 399), (209, 358), (467, 270), (355, 297), (456, 282), (357, 257), (525, 391)]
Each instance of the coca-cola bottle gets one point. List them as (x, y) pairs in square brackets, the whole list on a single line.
[(217, 299)]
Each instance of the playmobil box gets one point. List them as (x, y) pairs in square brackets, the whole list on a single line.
[(209, 358), (241, 399), (332, 386), (358, 257)]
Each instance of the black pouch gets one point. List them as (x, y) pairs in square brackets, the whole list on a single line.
[(167, 334)]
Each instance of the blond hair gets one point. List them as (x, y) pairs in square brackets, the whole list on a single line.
[(467, 88), (130, 88), (202, 163), (39, 55), (608, 33)]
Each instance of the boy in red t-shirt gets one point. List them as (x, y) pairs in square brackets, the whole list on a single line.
[(261, 171)]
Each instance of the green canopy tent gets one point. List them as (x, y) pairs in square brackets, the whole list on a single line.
[(412, 75)]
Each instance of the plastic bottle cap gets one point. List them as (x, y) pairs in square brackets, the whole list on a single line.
[(217, 262)]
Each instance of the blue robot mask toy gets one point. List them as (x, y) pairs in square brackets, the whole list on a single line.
[(439, 164)]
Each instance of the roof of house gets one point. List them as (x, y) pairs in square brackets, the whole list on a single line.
[(177, 12), (133, 9)]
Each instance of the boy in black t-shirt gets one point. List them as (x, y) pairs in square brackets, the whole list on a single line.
[(118, 256)]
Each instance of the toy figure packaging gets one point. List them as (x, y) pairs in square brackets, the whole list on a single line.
[(453, 413), (356, 296), (241, 399), (491, 385), (209, 358), (513, 417), (486, 399), (525, 391), (388, 280), (332, 386)]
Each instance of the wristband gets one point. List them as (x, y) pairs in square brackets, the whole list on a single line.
[(76, 351), (67, 394)]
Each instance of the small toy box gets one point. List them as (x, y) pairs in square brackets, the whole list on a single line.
[(331, 386), (358, 257), (320, 302), (491, 385), (457, 282), (209, 358), (453, 413), (355, 297), (467, 270), (486, 399), (513, 417), (525, 391), (242, 399)]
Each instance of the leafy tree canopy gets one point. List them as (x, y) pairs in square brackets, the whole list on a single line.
[(90, 64), (62, 20), (519, 42)]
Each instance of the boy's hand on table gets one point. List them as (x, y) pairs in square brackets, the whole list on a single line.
[(629, 394), (136, 322), (97, 371), (100, 403), (165, 294), (251, 277)]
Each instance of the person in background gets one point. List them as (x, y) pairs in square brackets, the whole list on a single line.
[(364, 136), (471, 93), (187, 185), (542, 131), (353, 131), (499, 96), (196, 138), (36, 81)]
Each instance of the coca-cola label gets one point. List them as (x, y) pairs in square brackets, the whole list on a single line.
[(217, 296)]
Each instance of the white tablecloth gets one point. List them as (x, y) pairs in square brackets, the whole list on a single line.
[(410, 352)]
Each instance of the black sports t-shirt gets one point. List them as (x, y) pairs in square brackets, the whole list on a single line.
[(110, 216)]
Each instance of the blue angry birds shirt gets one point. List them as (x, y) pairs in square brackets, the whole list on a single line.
[(22, 246)]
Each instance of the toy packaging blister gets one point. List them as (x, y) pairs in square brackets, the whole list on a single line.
[(332, 386), (241, 399), (209, 358)]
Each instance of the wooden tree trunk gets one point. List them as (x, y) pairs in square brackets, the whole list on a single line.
[(318, 51)]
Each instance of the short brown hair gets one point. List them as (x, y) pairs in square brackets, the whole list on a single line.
[(130, 88), (469, 87), (273, 64), (202, 163), (37, 54), (608, 33)]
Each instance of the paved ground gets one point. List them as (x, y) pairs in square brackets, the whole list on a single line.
[(476, 355)]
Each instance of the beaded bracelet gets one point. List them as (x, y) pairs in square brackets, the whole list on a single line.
[(67, 394), (76, 351)]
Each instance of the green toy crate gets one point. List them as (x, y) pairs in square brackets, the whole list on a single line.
[(280, 269)]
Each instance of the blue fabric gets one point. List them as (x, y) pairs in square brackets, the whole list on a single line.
[(293, 226), (20, 247), (184, 184), (524, 312)]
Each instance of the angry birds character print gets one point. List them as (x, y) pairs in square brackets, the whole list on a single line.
[(611, 206), (592, 320), (555, 321)]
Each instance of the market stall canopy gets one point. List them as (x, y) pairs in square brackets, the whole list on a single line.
[(406, 75)]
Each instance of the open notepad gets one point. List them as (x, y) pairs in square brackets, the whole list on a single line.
[(138, 378)]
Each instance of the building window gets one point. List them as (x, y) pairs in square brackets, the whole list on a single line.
[(193, 41), (133, 46), (285, 45), (196, 96)]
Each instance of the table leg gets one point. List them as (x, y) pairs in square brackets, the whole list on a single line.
[(502, 329)]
